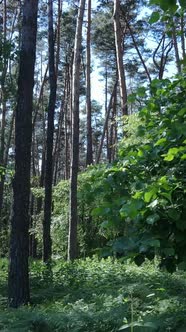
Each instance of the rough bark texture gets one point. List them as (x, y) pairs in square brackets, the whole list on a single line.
[(89, 158), (18, 283), (72, 240), (47, 243), (119, 56)]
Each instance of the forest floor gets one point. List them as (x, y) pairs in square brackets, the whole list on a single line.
[(98, 296)]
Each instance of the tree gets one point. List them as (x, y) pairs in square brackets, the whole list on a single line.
[(106, 122), (89, 158), (18, 282), (8, 60), (119, 56), (47, 245), (72, 240)]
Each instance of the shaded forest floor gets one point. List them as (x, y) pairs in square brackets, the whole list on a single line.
[(98, 296)]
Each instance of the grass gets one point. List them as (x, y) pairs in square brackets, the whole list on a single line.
[(98, 296)]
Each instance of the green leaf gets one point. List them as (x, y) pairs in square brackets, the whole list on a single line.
[(182, 111), (150, 194), (167, 195), (174, 214), (132, 98), (183, 157), (152, 219), (124, 244), (161, 141), (100, 211), (171, 154), (154, 17), (155, 243), (140, 153), (169, 157), (141, 91)]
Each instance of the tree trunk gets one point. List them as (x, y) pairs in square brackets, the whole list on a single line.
[(3, 101), (106, 123), (18, 281), (119, 56), (176, 49), (182, 28), (72, 239), (89, 157), (138, 52), (47, 243)]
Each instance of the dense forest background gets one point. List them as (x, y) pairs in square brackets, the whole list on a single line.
[(84, 179)]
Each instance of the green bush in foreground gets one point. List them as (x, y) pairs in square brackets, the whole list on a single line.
[(92, 295)]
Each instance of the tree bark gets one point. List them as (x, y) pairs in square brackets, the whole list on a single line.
[(72, 238), (18, 279), (119, 57), (47, 242), (89, 157)]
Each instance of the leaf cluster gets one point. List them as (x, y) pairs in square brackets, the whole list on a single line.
[(144, 193)]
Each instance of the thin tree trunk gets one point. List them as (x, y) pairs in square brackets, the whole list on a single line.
[(40, 97), (72, 239), (58, 37), (5, 162), (89, 157), (105, 124), (119, 57), (18, 279), (176, 50), (114, 110), (112, 128), (58, 140), (138, 52), (182, 25), (47, 243), (3, 101)]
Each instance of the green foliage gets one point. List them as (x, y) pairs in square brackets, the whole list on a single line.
[(144, 193), (97, 295), (89, 194)]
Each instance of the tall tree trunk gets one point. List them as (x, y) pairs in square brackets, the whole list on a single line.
[(72, 239), (56, 151), (138, 52), (67, 123), (89, 157), (3, 102), (112, 129), (182, 28), (18, 279), (176, 49), (106, 124), (119, 57), (47, 243)]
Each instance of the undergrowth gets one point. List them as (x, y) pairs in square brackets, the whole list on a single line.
[(97, 296)]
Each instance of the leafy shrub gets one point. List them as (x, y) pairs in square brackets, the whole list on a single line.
[(98, 295), (144, 193)]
